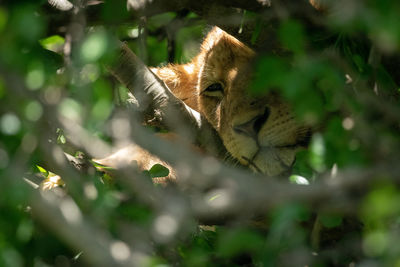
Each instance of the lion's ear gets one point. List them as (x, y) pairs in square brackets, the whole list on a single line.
[(224, 45), (212, 38), (181, 80)]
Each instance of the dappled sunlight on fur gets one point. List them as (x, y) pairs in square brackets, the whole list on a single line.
[(259, 131)]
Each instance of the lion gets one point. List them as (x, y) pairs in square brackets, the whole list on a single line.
[(259, 131)]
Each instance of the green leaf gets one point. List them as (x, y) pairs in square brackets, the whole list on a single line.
[(3, 18), (94, 46), (60, 136), (317, 153), (380, 205), (297, 179), (158, 170), (256, 32), (42, 170), (26, 24), (270, 72), (291, 34), (101, 166), (52, 43), (376, 243)]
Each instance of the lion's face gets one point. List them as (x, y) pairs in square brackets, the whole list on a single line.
[(259, 131)]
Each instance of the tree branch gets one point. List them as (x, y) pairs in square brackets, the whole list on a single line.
[(153, 95)]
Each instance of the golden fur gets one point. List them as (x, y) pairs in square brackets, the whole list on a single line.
[(225, 60), (258, 131)]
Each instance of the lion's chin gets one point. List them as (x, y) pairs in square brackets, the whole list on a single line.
[(274, 161)]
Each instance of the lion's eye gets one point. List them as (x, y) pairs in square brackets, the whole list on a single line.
[(214, 90)]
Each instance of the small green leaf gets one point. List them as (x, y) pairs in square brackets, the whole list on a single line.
[(42, 170), (297, 179), (158, 170), (107, 179), (101, 166), (53, 43), (60, 136)]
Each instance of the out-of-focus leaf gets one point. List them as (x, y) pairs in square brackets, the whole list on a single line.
[(256, 33), (100, 166), (135, 213), (3, 18), (161, 19), (380, 205), (71, 109), (330, 220), (25, 230), (158, 170), (115, 7), (270, 73), (201, 249), (10, 124), (187, 40), (297, 179), (60, 136), (94, 46), (375, 243), (53, 43), (42, 170), (36, 75), (317, 153), (291, 34), (33, 111), (27, 24), (234, 242), (302, 165), (159, 53)]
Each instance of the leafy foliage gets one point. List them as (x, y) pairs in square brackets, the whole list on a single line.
[(343, 81)]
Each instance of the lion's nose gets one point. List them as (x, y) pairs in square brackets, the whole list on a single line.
[(252, 127)]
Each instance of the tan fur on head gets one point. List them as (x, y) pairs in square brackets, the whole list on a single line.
[(259, 131), (181, 80)]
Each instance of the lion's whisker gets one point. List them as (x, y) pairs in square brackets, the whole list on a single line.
[(251, 163)]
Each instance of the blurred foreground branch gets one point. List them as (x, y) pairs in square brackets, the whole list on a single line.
[(154, 97), (239, 194)]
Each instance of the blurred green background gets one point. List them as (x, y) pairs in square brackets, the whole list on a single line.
[(342, 81)]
